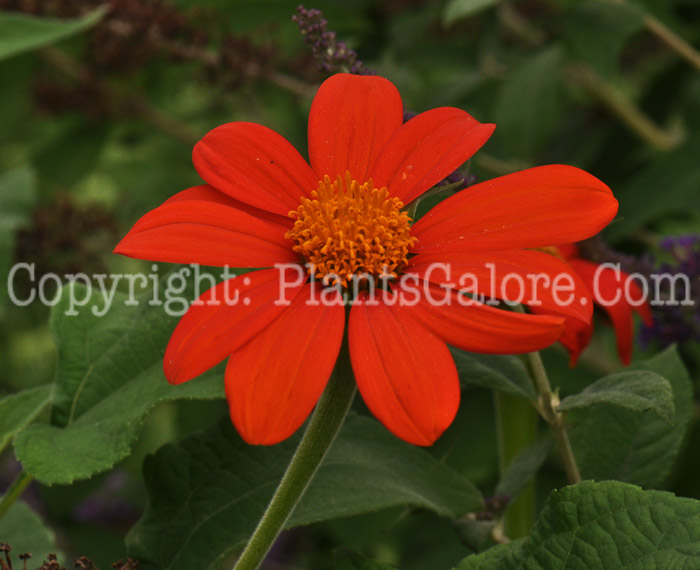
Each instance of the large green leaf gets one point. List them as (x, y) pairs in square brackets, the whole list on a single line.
[(637, 390), (610, 442), (503, 373), (20, 409), (528, 107), (17, 196), (604, 526), (24, 531), (109, 376), (22, 32), (208, 492), (492, 558)]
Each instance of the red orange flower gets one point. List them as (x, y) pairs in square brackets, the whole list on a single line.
[(616, 292), (263, 204)]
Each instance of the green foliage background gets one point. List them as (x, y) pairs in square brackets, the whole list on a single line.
[(89, 143)]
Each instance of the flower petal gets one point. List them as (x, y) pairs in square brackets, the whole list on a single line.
[(467, 324), (426, 149), (211, 194), (224, 318), (620, 296), (575, 338), (538, 207), (274, 381), (200, 225), (405, 374), (520, 276), (351, 119), (255, 165)]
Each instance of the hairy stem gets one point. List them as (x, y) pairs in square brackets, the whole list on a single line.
[(323, 427)]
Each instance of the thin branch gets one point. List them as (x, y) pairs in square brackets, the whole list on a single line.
[(548, 402), (624, 109), (672, 40)]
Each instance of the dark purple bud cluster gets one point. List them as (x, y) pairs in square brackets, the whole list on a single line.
[(241, 59), (131, 32), (131, 35), (134, 32), (331, 55), (678, 318), (64, 237), (493, 507), (596, 249)]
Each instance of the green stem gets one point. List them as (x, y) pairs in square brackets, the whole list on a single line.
[(624, 109), (669, 37), (320, 433), (517, 428), (14, 492), (672, 40), (556, 420)]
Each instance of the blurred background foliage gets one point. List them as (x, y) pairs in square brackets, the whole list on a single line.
[(99, 116)]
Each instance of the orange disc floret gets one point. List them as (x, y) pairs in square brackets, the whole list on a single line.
[(347, 229)]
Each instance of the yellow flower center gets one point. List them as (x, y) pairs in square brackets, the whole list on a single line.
[(349, 229)]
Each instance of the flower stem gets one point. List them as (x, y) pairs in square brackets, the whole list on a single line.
[(323, 427), (14, 492), (517, 428), (556, 420)]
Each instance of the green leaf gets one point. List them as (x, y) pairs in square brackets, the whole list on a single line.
[(523, 467), (677, 172), (638, 390), (601, 526), (109, 376), (208, 492), (610, 442), (24, 531), (528, 108), (21, 32), (492, 558), (17, 197), (597, 31), (346, 560), (20, 409), (459, 9), (504, 373)]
